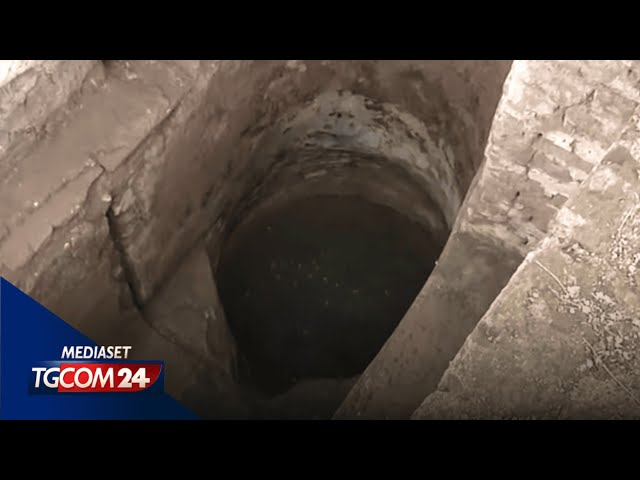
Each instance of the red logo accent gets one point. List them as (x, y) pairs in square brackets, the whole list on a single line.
[(107, 377)]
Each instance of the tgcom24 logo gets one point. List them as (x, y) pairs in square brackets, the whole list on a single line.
[(96, 369)]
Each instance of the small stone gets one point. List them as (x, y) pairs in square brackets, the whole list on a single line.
[(586, 310), (572, 310), (35, 204), (573, 291), (589, 363), (117, 272), (66, 245), (535, 294), (106, 198)]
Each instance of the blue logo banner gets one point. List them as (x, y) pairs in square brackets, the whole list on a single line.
[(31, 342)]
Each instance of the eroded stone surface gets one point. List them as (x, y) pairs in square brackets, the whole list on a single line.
[(30, 91), (47, 187), (561, 340)]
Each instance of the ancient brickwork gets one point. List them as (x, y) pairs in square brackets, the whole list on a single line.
[(562, 339), (555, 121)]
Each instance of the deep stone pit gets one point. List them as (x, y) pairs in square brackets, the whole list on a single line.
[(345, 210), (134, 193), (182, 157), (313, 288)]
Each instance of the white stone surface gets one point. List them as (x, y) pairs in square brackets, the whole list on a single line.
[(10, 69)]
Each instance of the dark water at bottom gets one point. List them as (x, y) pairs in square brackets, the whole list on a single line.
[(313, 289)]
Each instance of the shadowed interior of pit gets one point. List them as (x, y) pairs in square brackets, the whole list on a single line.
[(312, 289)]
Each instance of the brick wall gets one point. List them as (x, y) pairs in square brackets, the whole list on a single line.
[(554, 122)]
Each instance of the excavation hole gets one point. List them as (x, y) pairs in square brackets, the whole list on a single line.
[(313, 288)]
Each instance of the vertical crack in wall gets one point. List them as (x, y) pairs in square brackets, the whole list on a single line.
[(129, 277), (125, 261)]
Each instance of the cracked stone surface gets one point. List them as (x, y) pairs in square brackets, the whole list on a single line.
[(31, 90), (49, 184)]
